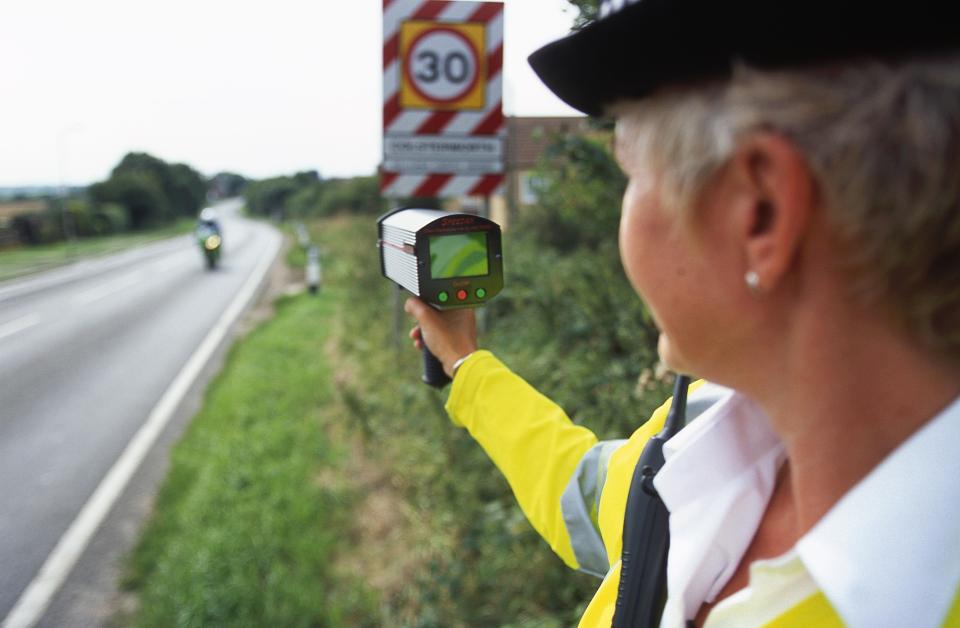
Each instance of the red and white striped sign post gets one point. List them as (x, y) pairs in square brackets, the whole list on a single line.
[(443, 122)]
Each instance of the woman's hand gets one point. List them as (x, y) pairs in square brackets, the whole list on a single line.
[(450, 335)]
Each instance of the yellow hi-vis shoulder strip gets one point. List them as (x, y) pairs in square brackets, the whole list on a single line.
[(813, 612)]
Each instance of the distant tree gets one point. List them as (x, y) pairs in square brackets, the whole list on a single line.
[(187, 190), (306, 177), (226, 185), (143, 162), (269, 196), (140, 193), (184, 188)]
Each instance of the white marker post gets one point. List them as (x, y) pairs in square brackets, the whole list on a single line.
[(313, 270)]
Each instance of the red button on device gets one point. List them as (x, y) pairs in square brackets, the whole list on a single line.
[(462, 295)]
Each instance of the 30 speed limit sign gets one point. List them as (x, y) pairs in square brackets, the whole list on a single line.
[(443, 65)]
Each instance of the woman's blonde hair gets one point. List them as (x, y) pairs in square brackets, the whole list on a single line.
[(883, 142)]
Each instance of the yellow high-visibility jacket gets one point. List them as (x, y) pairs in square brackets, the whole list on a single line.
[(572, 488)]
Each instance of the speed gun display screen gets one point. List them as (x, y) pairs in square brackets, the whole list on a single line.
[(458, 255)]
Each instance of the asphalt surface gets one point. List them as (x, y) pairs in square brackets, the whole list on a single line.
[(86, 352)]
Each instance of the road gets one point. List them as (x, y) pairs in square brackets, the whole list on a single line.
[(86, 353)]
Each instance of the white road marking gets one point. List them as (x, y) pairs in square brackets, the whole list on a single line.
[(106, 289), (18, 324), (36, 598)]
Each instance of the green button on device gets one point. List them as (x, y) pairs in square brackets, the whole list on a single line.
[(443, 297), (481, 293)]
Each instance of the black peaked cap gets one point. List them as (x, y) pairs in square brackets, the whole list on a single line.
[(649, 44)]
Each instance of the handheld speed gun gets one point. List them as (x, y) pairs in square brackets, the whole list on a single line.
[(449, 260)]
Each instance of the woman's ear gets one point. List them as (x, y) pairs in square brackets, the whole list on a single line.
[(776, 206)]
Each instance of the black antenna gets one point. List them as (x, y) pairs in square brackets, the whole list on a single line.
[(677, 416)]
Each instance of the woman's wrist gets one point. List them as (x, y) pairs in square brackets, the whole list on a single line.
[(458, 363)]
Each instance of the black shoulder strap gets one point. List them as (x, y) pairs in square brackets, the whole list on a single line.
[(646, 535)]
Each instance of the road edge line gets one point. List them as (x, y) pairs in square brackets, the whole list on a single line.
[(35, 599)]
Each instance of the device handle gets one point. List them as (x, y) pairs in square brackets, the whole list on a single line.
[(433, 374)]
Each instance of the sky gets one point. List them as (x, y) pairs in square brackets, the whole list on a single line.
[(259, 88)]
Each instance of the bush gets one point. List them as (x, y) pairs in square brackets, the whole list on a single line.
[(305, 201), (28, 228), (579, 188), (43, 227), (269, 197), (306, 195), (358, 195), (108, 219), (141, 195), (81, 219)]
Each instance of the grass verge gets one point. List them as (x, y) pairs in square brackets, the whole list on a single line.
[(247, 522), (26, 260)]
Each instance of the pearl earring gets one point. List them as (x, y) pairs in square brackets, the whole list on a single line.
[(752, 280)]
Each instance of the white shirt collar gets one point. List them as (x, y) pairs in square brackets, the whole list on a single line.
[(899, 568)]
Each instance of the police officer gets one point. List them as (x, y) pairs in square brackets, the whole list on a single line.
[(792, 220)]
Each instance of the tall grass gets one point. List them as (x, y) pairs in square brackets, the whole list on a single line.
[(246, 528)]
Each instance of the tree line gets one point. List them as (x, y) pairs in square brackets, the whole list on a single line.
[(144, 192), (141, 192), (308, 195)]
